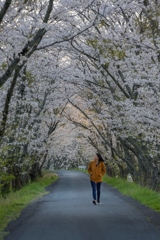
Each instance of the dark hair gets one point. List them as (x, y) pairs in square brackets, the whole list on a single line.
[(99, 157)]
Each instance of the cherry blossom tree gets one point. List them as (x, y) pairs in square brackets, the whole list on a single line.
[(128, 60), (78, 77)]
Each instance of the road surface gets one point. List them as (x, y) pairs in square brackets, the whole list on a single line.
[(67, 213)]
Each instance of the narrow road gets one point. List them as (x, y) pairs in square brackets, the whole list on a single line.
[(67, 213)]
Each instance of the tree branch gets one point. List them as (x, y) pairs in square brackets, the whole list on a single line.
[(4, 9), (7, 102), (29, 48)]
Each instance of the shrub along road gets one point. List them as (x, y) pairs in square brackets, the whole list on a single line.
[(67, 212)]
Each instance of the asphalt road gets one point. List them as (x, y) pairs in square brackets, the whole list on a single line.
[(67, 213)]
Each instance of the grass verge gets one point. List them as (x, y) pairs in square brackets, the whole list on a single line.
[(143, 195), (15, 202)]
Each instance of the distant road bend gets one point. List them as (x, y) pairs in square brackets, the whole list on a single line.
[(67, 213)]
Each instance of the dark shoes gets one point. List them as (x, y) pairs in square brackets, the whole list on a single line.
[(94, 202)]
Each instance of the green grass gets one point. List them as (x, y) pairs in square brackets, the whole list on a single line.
[(12, 205), (143, 195)]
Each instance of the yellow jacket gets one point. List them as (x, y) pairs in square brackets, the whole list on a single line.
[(96, 172)]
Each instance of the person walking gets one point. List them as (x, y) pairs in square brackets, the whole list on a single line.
[(96, 170)]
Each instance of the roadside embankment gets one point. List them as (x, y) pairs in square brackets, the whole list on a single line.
[(15, 202), (143, 195)]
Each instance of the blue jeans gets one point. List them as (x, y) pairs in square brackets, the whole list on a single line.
[(96, 190)]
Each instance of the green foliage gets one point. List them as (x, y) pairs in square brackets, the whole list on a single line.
[(107, 49), (93, 43), (148, 24), (29, 77), (103, 23), (12, 205), (143, 195), (4, 65), (5, 183)]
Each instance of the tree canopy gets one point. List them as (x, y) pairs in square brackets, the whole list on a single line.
[(78, 77)]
